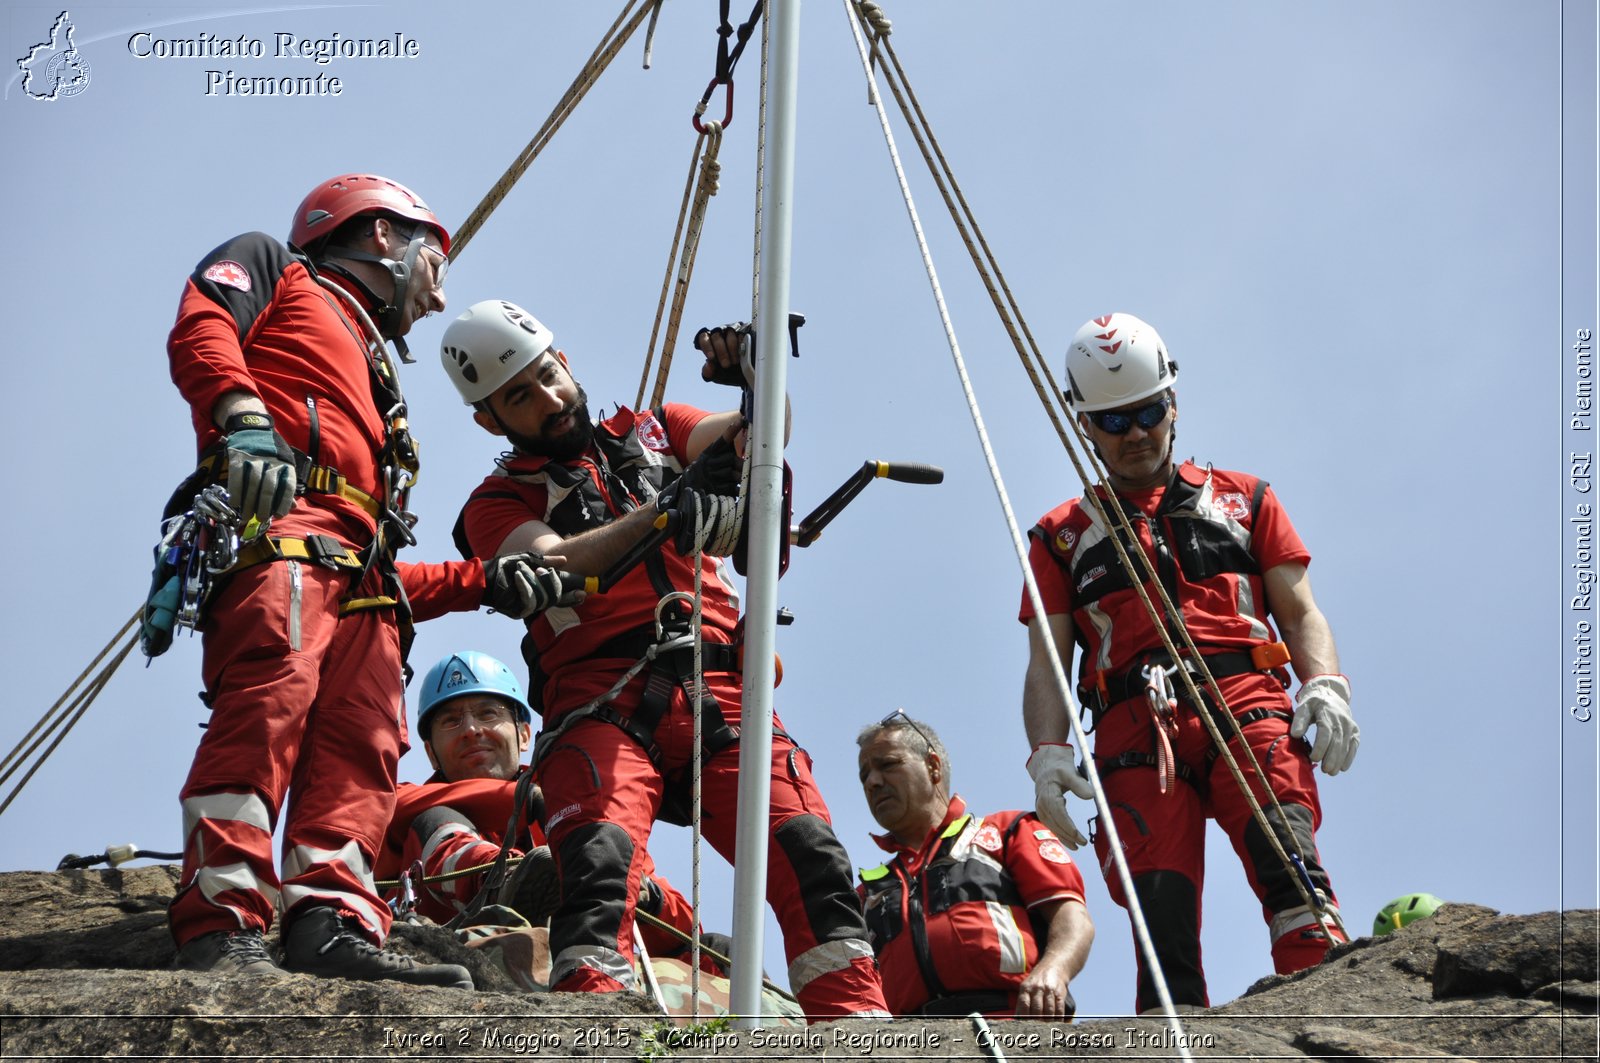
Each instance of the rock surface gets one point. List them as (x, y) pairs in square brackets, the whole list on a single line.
[(85, 971)]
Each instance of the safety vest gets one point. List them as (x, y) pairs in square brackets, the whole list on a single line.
[(960, 919), (1200, 541), (630, 461)]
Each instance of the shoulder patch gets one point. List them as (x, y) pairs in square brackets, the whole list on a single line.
[(230, 273), (1054, 852), (1044, 834), (651, 434), (1066, 541), (988, 837), (1232, 504)]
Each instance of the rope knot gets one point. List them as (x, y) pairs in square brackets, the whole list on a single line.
[(876, 18)]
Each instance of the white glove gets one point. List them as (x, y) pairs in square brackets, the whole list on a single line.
[(1055, 772), (1324, 700)]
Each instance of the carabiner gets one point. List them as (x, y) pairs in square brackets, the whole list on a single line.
[(727, 110)]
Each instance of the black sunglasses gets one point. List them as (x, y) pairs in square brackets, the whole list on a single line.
[(1118, 422), (898, 716)]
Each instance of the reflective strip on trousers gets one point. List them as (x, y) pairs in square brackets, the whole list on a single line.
[(303, 858), (608, 962), (1287, 922), (245, 808), (826, 958)]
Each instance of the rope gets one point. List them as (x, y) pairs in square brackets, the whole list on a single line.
[(1036, 366), (691, 218), (66, 714), (1141, 930), (689, 939), (610, 44), (695, 775)]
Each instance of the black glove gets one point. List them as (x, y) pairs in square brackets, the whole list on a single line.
[(261, 478), (700, 521), (717, 471), (519, 585), (735, 338)]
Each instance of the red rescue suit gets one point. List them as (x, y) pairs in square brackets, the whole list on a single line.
[(951, 922), (304, 701), (473, 839), (608, 777), (1210, 535)]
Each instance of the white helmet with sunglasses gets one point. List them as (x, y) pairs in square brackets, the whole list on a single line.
[(1114, 361)]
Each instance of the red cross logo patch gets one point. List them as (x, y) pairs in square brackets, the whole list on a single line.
[(230, 273)]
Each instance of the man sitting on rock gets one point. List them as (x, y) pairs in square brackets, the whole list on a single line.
[(475, 724)]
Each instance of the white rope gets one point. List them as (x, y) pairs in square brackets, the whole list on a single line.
[(1141, 930), (694, 797)]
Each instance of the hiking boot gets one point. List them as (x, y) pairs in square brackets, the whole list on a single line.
[(534, 889), (229, 952), (322, 942)]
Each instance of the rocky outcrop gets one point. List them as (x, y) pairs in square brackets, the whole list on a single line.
[(85, 971)]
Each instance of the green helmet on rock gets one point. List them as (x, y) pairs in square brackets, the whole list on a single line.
[(1404, 910), (490, 343), (1116, 360), (468, 672)]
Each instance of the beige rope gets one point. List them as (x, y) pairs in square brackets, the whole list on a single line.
[(610, 44), (698, 188), (71, 713), (1035, 366)]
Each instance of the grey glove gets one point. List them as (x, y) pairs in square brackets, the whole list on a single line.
[(1324, 700), (1055, 774), (261, 477), (520, 585)]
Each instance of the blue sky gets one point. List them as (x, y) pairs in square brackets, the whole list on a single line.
[(1346, 220)]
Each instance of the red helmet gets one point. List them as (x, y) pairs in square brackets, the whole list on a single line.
[(335, 202)]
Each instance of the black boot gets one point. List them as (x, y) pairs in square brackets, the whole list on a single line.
[(322, 942), (534, 889), (229, 952)]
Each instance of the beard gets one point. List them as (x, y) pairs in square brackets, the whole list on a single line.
[(569, 444)]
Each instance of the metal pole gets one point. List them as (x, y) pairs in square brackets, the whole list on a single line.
[(765, 514)]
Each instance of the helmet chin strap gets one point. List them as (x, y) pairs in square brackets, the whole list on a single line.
[(386, 314)]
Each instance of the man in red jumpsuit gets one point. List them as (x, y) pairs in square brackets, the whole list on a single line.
[(1227, 555), (278, 349), (972, 913), (611, 760), (475, 724)]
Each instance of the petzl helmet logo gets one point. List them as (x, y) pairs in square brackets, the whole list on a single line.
[(54, 68)]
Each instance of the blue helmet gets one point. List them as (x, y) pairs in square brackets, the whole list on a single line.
[(468, 672)]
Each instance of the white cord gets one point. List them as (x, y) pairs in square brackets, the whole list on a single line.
[(1141, 931)]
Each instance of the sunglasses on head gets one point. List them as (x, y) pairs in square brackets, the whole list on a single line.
[(899, 716), (1118, 422)]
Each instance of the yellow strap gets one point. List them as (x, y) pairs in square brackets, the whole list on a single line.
[(356, 605), (325, 481), (271, 549)]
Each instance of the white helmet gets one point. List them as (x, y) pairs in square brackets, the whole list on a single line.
[(1115, 360), (489, 344)]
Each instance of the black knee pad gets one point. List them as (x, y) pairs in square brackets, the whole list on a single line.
[(1279, 889), (822, 869), (593, 862), (1171, 909), (429, 821)]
